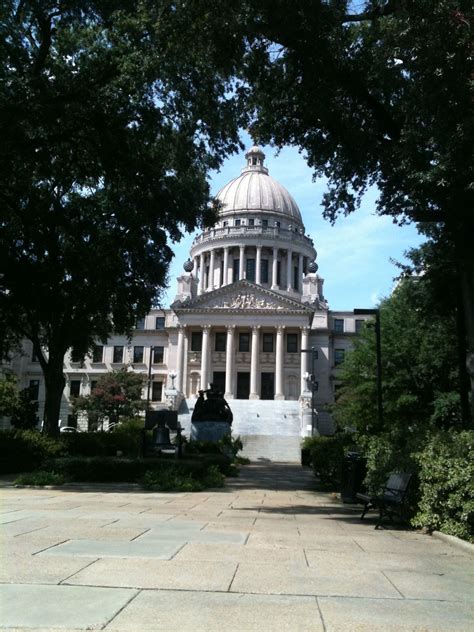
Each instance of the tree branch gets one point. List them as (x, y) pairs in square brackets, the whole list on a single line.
[(377, 12)]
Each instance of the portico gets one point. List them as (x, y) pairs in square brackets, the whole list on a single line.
[(254, 357)]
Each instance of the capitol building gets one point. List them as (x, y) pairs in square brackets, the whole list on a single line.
[(249, 316)]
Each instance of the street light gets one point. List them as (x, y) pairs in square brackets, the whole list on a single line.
[(376, 313)]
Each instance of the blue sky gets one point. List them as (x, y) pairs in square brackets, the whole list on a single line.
[(353, 255)]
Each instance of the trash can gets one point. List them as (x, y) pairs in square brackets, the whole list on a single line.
[(353, 474)]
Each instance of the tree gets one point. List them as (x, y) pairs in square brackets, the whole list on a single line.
[(107, 137), (117, 395), (17, 404), (377, 97), (419, 367)]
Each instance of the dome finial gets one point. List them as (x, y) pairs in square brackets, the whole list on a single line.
[(255, 160)]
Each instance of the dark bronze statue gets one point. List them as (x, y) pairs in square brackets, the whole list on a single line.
[(213, 408)]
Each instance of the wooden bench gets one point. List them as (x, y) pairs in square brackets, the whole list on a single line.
[(391, 501)]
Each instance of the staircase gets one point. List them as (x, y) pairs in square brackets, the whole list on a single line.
[(270, 430)]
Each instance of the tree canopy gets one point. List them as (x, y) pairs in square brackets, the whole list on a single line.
[(109, 127), (379, 96)]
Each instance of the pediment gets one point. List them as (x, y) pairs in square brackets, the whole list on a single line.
[(242, 296)]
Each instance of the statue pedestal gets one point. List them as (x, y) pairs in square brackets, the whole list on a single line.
[(209, 430)]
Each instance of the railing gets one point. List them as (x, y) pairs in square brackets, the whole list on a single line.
[(283, 234)]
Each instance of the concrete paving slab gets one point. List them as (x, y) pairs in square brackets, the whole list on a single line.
[(316, 542), (174, 611), (416, 585), (386, 615), (219, 537), (169, 575), (240, 553), (18, 569), (335, 561), (163, 550), (76, 532), (295, 580), (383, 542), (31, 606)]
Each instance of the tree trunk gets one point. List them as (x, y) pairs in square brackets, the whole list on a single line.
[(54, 383)]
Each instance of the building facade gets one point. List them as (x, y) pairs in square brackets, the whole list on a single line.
[(249, 315)]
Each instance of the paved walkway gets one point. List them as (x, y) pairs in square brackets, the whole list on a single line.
[(265, 553)]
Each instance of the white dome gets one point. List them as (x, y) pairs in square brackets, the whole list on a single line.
[(255, 190)]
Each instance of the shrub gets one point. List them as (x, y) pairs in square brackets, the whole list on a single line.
[(26, 450), (385, 455), (40, 477), (327, 455), (175, 479), (446, 484), (118, 469)]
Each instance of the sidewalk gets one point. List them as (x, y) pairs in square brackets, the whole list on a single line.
[(267, 552)]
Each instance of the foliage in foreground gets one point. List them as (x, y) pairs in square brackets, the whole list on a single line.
[(446, 473), (327, 456)]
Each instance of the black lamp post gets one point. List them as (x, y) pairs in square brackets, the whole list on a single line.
[(378, 346)]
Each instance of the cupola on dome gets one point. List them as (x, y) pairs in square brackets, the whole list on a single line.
[(254, 190)]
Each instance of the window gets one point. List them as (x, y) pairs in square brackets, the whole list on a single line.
[(220, 341), (296, 277), (34, 389), (267, 343), (278, 272), (359, 325), (225, 223), (338, 356), (292, 343), (137, 355), (339, 325), (251, 222), (97, 353), (237, 222), (158, 355), (277, 224), (196, 341), (93, 385), (118, 354), (264, 223), (235, 270), (250, 269), (244, 343), (156, 391), (75, 388), (34, 356), (264, 271), (160, 322), (140, 324)]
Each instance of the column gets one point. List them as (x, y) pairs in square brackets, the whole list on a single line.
[(280, 334), (201, 274), (289, 259), (275, 269), (241, 262), (210, 281), (304, 357), (206, 330), (179, 363), (226, 265), (258, 265), (254, 364), (229, 363), (300, 272)]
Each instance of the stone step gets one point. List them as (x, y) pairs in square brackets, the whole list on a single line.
[(271, 448)]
